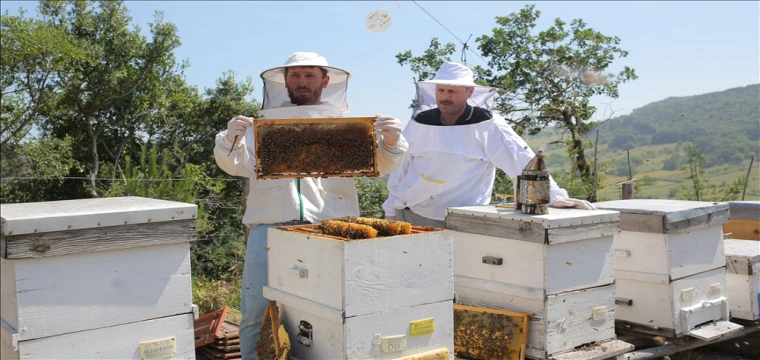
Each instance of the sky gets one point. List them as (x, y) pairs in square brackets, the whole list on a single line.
[(677, 48)]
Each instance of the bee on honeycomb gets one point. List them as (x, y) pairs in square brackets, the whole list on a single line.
[(347, 230), (315, 148), (383, 227)]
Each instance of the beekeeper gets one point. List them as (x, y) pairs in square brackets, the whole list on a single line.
[(455, 145), (304, 87)]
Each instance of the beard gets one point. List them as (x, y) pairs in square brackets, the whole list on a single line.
[(304, 98)]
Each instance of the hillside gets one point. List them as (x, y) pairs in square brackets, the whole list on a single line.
[(725, 126)]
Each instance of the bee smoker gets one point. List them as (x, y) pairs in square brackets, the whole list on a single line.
[(532, 188)]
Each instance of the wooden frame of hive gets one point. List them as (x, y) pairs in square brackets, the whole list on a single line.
[(259, 124)]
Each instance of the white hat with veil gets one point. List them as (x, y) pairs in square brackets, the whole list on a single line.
[(453, 74)]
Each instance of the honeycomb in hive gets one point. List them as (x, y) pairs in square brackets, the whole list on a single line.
[(383, 227), (347, 230), (322, 147), (482, 333)]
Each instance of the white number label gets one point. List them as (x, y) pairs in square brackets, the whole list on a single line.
[(688, 294), (393, 343)]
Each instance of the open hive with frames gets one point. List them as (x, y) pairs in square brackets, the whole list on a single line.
[(315, 147)]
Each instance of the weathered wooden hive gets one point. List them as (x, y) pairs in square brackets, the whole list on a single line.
[(556, 266), (97, 278), (670, 267), (745, 220), (743, 278), (380, 298)]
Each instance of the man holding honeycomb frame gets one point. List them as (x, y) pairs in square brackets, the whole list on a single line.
[(304, 87), (456, 144)]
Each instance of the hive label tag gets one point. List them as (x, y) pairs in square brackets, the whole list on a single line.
[(158, 349), (422, 327), (393, 343), (715, 289), (688, 294), (599, 313)]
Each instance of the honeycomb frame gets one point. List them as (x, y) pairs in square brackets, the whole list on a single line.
[(262, 126)]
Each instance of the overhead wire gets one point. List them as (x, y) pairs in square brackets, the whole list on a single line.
[(464, 43)]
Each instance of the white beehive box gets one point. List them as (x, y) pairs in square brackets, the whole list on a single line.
[(670, 267), (743, 278), (557, 266), (355, 293), (97, 278)]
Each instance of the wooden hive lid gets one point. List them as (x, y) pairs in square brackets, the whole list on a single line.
[(49, 216), (556, 217), (559, 225), (667, 216), (748, 249), (745, 210)]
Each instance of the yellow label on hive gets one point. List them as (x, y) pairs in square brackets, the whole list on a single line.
[(422, 327), (158, 349)]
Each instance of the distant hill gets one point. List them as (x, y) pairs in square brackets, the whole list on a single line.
[(725, 125)]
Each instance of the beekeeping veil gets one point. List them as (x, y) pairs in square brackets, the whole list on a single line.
[(276, 99), (454, 74)]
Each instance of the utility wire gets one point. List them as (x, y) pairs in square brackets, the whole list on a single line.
[(464, 43)]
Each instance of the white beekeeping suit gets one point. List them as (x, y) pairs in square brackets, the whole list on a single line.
[(455, 165), (289, 201)]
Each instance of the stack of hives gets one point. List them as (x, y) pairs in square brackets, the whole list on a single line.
[(670, 268), (226, 345), (95, 278), (556, 266), (743, 259), (382, 290)]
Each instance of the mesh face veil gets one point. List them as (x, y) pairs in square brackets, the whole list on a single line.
[(276, 93), (452, 74)]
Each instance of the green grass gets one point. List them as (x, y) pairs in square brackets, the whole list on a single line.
[(654, 157)]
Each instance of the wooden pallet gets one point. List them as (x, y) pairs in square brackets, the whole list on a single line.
[(207, 326)]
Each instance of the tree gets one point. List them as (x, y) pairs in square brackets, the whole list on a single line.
[(110, 94), (553, 72), (700, 188)]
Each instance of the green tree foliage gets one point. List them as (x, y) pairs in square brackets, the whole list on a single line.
[(555, 72), (699, 187), (372, 194), (90, 107)]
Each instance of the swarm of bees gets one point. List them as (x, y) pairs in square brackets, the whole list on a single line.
[(351, 227), (481, 335), (315, 149)]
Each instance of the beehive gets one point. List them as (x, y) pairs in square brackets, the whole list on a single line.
[(382, 298), (97, 278), (743, 278), (557, 266), (745, 220), (315, 147), (670, 267)]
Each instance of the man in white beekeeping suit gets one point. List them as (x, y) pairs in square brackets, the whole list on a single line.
[(304, 87), (455, 145)]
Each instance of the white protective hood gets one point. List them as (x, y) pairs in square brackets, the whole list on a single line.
[(454, 74), (452, 166), (276, 94)]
